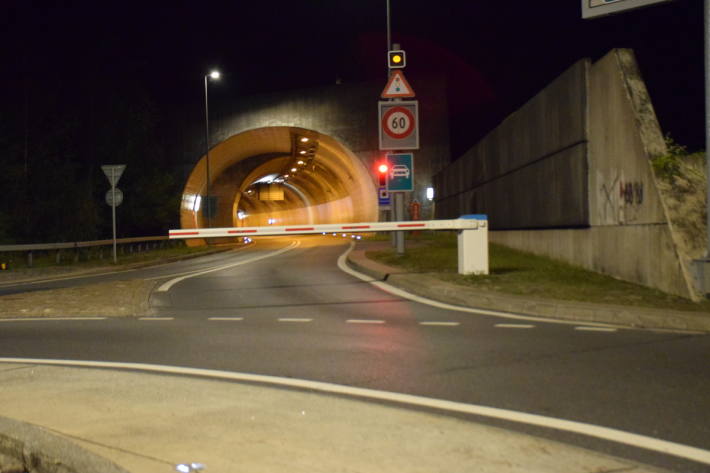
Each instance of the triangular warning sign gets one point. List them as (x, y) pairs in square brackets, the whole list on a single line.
[(397, 87)]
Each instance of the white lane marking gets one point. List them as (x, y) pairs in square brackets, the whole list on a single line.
[(590, 430), (596, 329), (45, 319), (294, 319), (364, 321), (342, 264), (514, 326), (226, 319), (167, 285), (441, 324), (156, 319)]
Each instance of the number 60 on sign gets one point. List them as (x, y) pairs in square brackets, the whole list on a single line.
[(399, 125)]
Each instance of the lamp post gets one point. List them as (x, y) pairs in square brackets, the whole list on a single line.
[(212, 75)]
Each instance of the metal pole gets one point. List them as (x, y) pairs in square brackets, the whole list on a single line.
[(389, 31), (113, 214), (207, 158), (707, 118), (399, 208)]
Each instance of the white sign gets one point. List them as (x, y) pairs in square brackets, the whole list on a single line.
[(597, 8), (110, 197), (397, 87), (399, 125), (113, 172)]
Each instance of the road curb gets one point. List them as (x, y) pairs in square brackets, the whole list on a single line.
[(30, 448), (432, 287)]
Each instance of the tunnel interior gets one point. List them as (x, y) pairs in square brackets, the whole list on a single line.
[(278, 176)]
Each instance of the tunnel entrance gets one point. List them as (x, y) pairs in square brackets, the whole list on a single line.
[(279, 176)]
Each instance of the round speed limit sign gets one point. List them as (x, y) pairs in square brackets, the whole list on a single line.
[(398, 122)]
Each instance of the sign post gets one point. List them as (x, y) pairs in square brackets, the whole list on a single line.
[(398, 130), (114, 197)]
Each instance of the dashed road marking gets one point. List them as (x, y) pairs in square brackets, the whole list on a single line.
[(294, 319), (49, 319), (226, 319), (596, 329), (441, 324), (364, 321), (156, 319), (514, 326)]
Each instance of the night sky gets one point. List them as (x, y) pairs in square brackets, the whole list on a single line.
[(496, 54)]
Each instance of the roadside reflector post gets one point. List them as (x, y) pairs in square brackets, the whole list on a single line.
[(473, 247)]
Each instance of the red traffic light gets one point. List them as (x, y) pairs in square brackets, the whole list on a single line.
[(382, 168)]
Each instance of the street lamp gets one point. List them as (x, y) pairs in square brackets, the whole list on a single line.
[(208, 207)]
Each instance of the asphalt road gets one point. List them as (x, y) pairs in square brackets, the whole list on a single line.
[(296, 314)]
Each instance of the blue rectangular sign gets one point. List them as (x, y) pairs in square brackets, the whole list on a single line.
[(401, 172), (383, 197)]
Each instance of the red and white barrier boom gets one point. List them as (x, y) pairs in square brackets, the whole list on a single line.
[(472, 237)]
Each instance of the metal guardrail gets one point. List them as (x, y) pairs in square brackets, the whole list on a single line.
[(76, 245)]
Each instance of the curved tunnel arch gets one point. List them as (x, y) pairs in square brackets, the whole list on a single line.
[(330, 183)]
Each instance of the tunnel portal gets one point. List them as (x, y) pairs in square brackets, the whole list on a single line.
[(279, 175)]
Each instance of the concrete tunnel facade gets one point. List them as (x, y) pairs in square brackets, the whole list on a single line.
[(329, 135)]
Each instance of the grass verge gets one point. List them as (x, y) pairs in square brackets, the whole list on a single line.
[(520, 273)]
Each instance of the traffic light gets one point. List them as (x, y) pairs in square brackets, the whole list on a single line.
[(382, 169), (396, 59)]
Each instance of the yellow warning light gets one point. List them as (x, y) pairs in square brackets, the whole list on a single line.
[(396, 59)]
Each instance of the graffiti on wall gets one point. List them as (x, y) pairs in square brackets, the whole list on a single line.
[(619, 200)]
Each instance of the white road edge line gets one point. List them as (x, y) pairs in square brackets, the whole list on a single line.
[(156, 319), (605, 433), (441, 324), (292, 319), (595, 329), (45, 319), (364, 321), (342, 264), (226, 319), (514, 326), (165, 287)]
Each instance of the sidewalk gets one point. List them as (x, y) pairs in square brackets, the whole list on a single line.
[(432, 287), (148, 423)]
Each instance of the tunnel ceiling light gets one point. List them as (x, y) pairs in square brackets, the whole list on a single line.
[(304, 139), (303, 151), (301, 162), (294, 169)]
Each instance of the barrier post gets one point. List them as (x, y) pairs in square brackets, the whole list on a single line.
[(473, 247)]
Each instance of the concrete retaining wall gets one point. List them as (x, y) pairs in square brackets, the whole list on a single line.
[(530, 172), (590, 198)]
